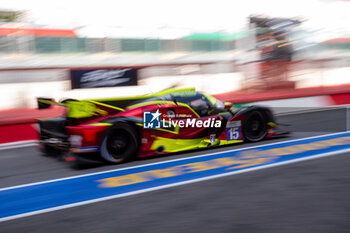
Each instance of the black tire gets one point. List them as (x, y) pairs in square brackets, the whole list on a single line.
[(254, 126), (120, 143)]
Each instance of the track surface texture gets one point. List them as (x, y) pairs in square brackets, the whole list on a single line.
[(308, 196)]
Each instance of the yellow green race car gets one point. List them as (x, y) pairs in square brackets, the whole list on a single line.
[(173, 120)]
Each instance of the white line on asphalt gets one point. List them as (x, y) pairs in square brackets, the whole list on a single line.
[(19, 144), (169, 185)]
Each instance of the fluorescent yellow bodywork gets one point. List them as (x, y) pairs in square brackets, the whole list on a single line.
[(271, 124), (160, 93), (82, 109), (176, 145), (106, 105), (100, 124), (88, 108), (225, 142), (172, 90), (211, 99)]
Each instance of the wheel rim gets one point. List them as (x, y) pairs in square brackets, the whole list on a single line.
[(117, 144), (255, 128)]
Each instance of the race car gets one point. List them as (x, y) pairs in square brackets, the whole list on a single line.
[(119, 129)]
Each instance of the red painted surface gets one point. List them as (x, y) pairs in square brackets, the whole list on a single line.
[(247, 97), (23, 31), (19, 124), (28, 115), (17, 132), (341, 99)]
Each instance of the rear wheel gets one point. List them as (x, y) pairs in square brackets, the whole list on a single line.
[(120, 144), (254, 126)]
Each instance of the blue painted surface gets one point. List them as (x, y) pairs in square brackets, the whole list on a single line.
[(36, 197)]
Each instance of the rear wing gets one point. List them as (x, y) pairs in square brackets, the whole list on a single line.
[(82, 110), (44, 103), (93, 108)]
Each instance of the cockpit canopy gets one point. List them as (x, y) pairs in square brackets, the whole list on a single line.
[(202, 104)]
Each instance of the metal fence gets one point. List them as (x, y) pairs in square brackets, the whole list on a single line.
[(29, 44)]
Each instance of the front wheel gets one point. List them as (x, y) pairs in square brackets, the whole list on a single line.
[(254, 126), (120, 143)]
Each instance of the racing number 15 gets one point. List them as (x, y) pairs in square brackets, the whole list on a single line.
[(234, 133), (233, 130)]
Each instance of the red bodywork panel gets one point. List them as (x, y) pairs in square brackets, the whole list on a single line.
[(93, 131)]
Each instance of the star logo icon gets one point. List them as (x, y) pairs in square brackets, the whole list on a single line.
[(151, 120), (155, 115)]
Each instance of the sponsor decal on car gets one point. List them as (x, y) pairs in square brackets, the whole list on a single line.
[(234, 130), (212, 138)]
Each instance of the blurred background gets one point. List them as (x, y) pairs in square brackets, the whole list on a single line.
[(247, 51), (289, 55)]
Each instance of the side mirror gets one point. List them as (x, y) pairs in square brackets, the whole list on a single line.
[(228, 105)]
